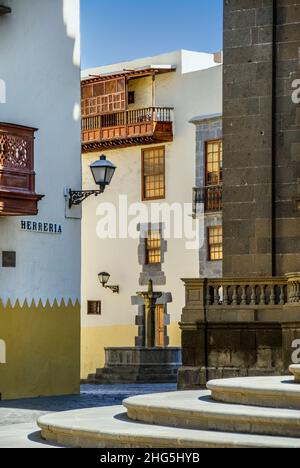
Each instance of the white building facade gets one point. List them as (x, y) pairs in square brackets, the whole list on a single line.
[(138, 115), (40, 237)]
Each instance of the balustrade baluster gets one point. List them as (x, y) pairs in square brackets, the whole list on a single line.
[(234, 296), (244, 296), (281, 297), (290, 292), (297, 292), (208, 297), (216, 295), (294, 292), (225, 298), (272, 295), (262, 295), (253, 295)]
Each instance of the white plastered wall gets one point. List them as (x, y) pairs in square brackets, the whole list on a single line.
[(40, 72)]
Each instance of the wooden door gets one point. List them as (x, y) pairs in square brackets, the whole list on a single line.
[(160, 326)]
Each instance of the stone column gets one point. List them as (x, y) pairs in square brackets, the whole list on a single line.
[(193, 326), (247, 128)]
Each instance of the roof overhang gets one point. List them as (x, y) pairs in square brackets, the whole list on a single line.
[(132, 74), (204, 119), (4, 10)]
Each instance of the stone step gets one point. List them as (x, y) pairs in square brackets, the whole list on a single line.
[(196, 410), (272, 392), (130, 370), (109, 379), (111, 428)]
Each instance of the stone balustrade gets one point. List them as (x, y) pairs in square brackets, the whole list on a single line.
[(245, 292), (238, 327)]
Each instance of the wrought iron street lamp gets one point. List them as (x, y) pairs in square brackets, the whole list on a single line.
[(104, 279), (103, 171)]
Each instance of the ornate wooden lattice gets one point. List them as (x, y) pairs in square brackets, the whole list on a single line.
[(17, 176), (103, 97), (15, 151)]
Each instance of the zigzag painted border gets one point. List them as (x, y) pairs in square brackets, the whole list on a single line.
[(39, 303)]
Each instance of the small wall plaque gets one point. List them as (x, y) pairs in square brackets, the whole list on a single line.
[(9, 259)]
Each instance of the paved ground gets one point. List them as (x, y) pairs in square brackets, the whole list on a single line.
[(18, 418)]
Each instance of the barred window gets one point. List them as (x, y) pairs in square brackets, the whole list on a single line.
[(214, 162), (94, 307), (215, 243), (153, 173), (153, 248)]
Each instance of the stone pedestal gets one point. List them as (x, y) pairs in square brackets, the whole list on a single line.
[(138, 365)]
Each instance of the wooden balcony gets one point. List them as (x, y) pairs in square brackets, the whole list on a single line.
[(128, 128), (210, 197), (17, 176)]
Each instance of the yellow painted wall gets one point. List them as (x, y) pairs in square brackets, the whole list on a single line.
[(174, 334), (42, 349), (95, 339)]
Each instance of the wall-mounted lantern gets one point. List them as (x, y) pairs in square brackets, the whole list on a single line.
[(103, 172), (104, 279)]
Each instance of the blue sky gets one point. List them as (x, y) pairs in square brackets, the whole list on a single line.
[(116, 30)]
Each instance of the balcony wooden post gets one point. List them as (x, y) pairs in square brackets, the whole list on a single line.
[(153, 89)]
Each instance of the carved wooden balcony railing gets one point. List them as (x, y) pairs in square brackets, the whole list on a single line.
[(17, 176), (128, 128), (210, 197)]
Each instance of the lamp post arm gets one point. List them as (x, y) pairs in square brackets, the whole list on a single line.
[(114, 289), (76, 197)]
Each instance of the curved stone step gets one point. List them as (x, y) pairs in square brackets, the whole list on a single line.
[(272, 392), (111, 428), (196, 410), (295, 370), (107, 379)]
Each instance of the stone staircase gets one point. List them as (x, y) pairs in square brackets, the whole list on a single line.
[(262, 412)]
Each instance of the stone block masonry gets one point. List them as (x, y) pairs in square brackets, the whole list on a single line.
[(247, 323), (261, 138)]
